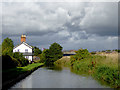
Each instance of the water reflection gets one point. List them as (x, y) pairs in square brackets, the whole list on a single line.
[(55, 67)]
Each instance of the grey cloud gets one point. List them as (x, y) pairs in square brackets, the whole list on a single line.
[(73, 25), (101, 19), (46, 17)]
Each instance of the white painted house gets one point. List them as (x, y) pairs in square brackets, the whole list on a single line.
[(24, 48)]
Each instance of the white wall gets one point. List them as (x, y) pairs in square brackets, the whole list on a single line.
[(22, 48), (29, 57)]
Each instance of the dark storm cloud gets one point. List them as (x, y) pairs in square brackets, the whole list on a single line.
[(70, 24)]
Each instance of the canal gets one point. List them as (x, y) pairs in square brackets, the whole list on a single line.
[(56, 77)]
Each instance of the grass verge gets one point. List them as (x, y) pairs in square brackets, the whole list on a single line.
[(11, 76)]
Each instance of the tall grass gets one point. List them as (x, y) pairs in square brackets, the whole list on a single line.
[(64, 61), (101, 67)]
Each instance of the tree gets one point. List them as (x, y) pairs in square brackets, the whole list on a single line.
[(7, 47), (56, 51), (49, 56), (37, 51), (46, 57)]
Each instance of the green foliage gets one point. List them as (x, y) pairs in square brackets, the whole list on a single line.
[(108, 50), (8, 62), (7, 47), (117, 50), (13, 73), (15, 59), (94, 66), (109, 75), (19, 57), (0, 50), (80, 54), (37, 51), (49, 56), (93, 52), (55, 51), (43, 56)]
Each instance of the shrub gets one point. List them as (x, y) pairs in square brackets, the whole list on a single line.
[(80, 54), (110, 75), (19, 57), (8, 62)]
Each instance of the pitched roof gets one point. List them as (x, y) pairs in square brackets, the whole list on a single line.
[(24, 44)]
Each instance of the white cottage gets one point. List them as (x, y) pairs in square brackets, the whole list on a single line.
[(24, 48)]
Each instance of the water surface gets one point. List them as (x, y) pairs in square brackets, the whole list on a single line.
[(57, 78)]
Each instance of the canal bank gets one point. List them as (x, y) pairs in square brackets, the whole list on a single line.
[(102, 68), (12, 76)]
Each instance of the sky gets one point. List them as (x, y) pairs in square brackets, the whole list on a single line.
[(74, 25)]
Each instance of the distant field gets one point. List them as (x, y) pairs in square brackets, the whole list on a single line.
[(111, 59)]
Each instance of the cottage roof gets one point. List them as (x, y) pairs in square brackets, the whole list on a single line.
[(24, 44)]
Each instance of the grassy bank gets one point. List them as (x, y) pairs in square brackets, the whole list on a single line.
[(11, 76), (64, 61), (102, 67)]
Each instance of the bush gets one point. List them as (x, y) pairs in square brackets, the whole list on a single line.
[(80, 54), (8, 62), (19, 57), (110, 75)]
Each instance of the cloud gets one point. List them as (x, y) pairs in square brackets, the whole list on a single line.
[(101, 19), (73, 25)]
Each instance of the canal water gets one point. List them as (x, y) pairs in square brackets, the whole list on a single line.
[(50, 77)]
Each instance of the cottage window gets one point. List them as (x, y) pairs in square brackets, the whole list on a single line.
[(26, 50), (27, 57)]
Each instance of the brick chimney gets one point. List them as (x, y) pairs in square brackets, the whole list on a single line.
[(23, 38)]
